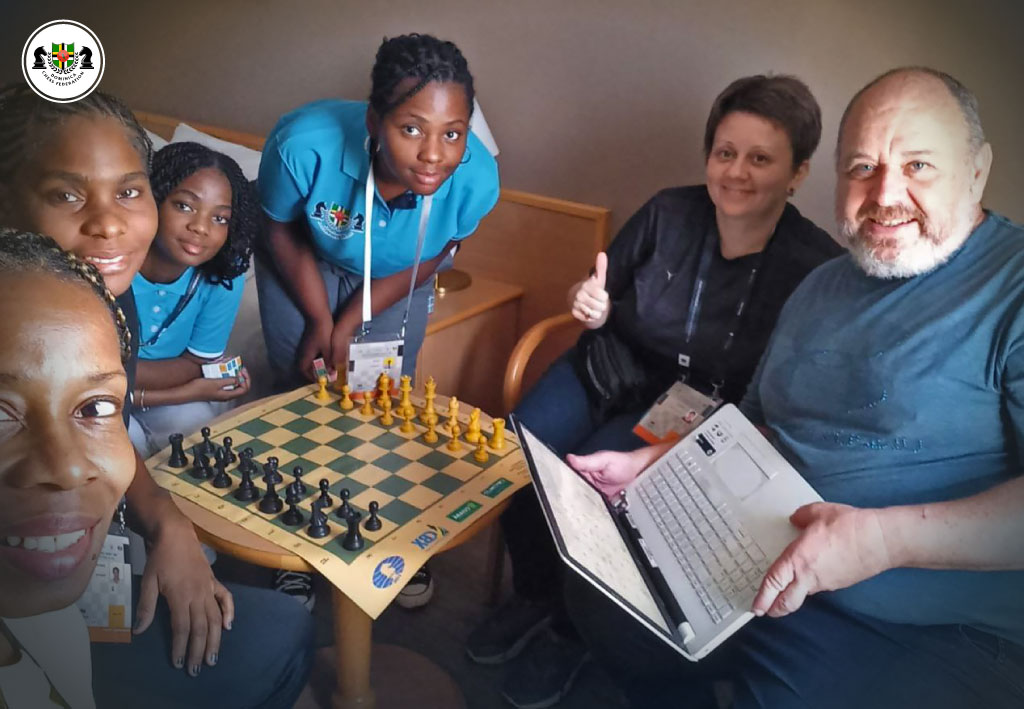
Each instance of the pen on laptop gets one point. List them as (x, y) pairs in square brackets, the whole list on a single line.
[(668, 599)]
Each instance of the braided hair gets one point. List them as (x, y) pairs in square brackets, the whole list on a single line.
[(415, 56), (26, 251), (178, 161), (26, 119)]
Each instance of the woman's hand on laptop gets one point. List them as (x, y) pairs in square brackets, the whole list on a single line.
[(611, 471), (838, 546)]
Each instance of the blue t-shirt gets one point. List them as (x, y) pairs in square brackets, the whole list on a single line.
[(904, 391), (315, 164), (202, 328)]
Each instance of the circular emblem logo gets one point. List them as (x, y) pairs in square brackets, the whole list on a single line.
[(63, 61), (388, 572)]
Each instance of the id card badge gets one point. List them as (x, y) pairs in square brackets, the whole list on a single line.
[(676, 412), (106, 604), (368, 357)]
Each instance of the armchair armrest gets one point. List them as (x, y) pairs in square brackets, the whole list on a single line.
[(524, 350)]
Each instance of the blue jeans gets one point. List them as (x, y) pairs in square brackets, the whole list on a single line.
[(264, 662), (820, 656), (558, 412), (283, 323)]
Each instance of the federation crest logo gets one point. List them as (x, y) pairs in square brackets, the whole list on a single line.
[(63, 61), (388, 572), (337, 221)]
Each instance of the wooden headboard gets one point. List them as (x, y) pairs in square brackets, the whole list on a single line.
[(539, 243)]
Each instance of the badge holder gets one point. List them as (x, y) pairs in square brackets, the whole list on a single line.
[(106, 604), (370, 353)]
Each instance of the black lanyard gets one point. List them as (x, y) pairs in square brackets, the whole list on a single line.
[(710, 243)]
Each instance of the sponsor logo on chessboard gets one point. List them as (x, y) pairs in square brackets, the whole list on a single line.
[(388, 572), (463, 511), (497, 487)]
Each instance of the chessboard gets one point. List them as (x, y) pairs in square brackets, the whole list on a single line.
[(425, 493)]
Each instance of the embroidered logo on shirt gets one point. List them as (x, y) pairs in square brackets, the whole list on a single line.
[(337, 221)]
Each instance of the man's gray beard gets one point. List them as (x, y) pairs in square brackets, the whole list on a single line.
[(921, 256)]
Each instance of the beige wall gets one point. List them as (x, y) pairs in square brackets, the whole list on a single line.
[(600, 101)]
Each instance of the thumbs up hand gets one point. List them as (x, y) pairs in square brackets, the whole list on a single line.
[(590, 302)]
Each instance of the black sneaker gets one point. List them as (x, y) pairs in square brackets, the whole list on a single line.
[(418, 591), (545, 672), (505, 633), (298, 585)]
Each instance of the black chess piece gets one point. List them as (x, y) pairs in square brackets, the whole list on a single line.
[(300, 487), (325, 496), (318, 527), (271, 503), (221, 479), (373, 522), (270, 468), (293, 517), (353, 538), (178, 458), (86, 55), (229, 455), (345, 509), (206, 445), (245, 461), (38, 54), (201, 466), (247, 490)]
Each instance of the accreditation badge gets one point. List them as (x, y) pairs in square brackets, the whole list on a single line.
[(106, 604), (368, 356), (676, 412)]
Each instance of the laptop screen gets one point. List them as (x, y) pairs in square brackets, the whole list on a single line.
[(585, 532)]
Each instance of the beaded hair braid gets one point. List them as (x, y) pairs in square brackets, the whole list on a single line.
[(26, 119), (177, 161), (25, 251), (415, 56)]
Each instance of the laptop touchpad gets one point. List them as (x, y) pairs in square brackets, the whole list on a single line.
[(739, 472)]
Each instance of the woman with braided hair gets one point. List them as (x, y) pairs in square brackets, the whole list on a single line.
[(67, 461), (189, 289), (431, 182), (79, 172), (414, 134)]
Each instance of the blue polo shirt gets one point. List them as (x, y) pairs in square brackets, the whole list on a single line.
[(315, 164), (202, 328)]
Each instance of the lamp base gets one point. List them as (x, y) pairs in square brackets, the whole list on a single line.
[(451, 280)]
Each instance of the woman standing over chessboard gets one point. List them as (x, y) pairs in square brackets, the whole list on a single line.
[(430, 181), (366, 202)]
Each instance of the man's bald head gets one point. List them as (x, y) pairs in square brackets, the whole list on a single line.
[(912, 163), (964, 97)]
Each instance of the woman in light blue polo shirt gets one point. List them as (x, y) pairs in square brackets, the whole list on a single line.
[(189, 289), (313, 185)]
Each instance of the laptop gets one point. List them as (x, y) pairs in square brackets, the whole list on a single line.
[(684, 548)]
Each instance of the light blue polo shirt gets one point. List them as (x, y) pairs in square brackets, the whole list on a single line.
[(315, 164), (202, 328)]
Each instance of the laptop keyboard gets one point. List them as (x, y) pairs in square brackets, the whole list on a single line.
[(723, 563)]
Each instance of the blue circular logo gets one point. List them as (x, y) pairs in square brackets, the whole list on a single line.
[(388, 572)]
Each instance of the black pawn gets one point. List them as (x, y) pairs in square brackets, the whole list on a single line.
[(247, 490), (221, 479), (372, 522), (177, 459), (353, 538), (271, 503), (346, 509), (207, 445), (300, 487), (318, 527), (201, 466), (270, 473), (325, 496), (293, 517), (229, 455)]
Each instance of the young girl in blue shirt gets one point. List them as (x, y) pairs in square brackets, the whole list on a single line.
[(414, 132), (189, 289)]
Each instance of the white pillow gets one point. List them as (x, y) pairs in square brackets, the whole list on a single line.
[(157, 141), (247, 158)]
